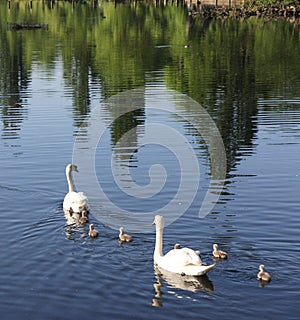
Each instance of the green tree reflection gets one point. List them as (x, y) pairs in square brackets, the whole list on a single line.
[(227, 67)]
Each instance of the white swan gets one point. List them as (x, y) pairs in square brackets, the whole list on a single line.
[(184, 261), (74, 202)]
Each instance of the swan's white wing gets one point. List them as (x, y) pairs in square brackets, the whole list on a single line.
[(193, 256), (182, 257), (75, 200), (81, 195), (172, 265)]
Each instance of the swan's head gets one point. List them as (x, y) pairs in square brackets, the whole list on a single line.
[(91, 226), (121, 230), (215, 246), (71, 167), (261, 267), (158, 221), (74, 168)]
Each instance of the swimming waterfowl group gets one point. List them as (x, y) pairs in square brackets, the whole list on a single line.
[(183, 261)]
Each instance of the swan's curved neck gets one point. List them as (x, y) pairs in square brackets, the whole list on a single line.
[(159, 241), (69, 179)]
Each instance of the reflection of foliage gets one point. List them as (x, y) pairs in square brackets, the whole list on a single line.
[(112, 48), (224, 57), (14, 79), (227, 66), (125, 123), (12, 117)]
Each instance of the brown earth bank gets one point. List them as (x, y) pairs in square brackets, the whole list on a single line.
[(277, 9)]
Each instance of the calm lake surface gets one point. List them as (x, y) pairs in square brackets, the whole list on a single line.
[(244, 74)]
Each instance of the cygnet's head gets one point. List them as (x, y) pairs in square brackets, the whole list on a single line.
[(261, 267), (83, 217)]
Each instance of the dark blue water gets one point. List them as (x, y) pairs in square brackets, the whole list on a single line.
[(53, 270)]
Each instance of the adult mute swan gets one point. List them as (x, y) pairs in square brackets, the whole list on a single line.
[(74, 202), (184, 261)]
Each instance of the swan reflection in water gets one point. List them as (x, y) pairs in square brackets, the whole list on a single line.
[(75, 224), (187, 283), (262, 283)]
